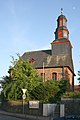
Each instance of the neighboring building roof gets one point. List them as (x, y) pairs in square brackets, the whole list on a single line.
[(45, 56)]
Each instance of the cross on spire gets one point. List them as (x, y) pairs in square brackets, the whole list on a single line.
[(61, 11)]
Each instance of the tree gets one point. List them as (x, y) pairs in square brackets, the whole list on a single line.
[(63, 85), (45, 91), (49, 91), (79, 76), (79, 79), (21, 75)]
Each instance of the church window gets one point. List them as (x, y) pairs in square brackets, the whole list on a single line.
[(54, 76), (43, 76)]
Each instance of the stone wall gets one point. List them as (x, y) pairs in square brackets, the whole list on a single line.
[(72, 106), (17, 107)]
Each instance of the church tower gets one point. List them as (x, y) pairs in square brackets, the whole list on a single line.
[(61, 45), (62, 48)]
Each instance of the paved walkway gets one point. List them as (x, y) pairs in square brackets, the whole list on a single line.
[(26, 117)]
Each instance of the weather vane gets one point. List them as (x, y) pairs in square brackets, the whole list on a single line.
[(61, 11)]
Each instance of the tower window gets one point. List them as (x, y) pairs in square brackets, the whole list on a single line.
[(54, 76), (64, 22), (64, 34)]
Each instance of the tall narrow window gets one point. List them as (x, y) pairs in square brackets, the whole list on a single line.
[(54, 76), (64, 22)]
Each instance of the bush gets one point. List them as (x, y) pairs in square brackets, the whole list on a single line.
[(45, 91), (71, 95), (49, 91)]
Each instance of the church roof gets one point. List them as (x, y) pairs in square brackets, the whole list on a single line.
[(38, 57)]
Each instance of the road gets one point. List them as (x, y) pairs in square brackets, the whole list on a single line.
[(6, 117)]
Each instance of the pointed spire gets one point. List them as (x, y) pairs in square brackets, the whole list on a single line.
[(61, 11)]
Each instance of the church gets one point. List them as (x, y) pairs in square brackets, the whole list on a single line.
[(55, 63)]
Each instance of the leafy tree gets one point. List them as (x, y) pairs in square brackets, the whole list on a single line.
[(41, 92), (49, 91), (79, 76), (21, 75), (63, 84), (79, 79)]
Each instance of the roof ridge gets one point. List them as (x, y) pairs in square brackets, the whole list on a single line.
[(38, 51)]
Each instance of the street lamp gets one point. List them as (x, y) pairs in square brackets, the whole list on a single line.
[(24, 97)]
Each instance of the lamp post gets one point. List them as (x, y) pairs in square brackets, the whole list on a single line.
[(43, 71), (24, 97)]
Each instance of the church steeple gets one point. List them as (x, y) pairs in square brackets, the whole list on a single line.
[(61, 45), (61, 30)]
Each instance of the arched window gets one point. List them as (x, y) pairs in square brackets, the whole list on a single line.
[(54, 76)]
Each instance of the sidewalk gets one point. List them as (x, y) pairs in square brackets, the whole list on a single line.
[(23, 116)]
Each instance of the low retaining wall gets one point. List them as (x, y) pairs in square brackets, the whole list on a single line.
[(66, 107), (43, 110), (72, 106), (17, 107)]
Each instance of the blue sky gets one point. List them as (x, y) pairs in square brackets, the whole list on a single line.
[(27, 25)]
